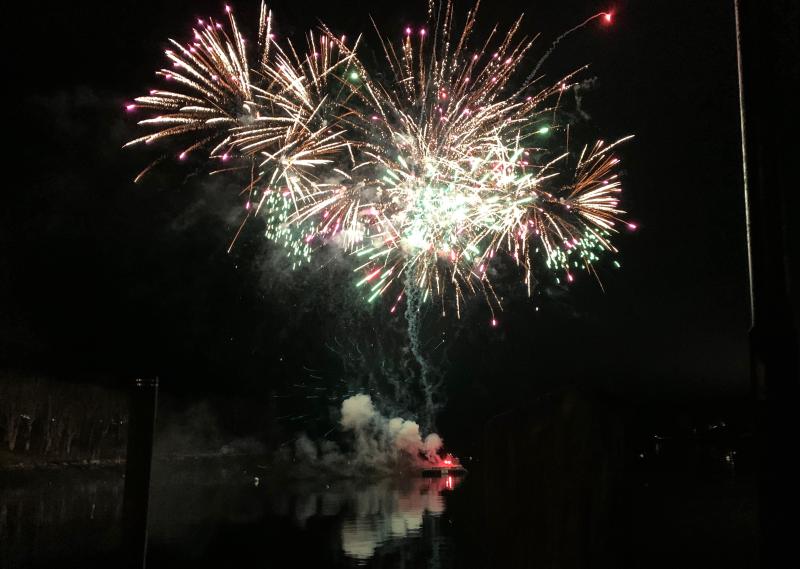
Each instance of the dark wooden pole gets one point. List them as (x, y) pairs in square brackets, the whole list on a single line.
[(767, 49), (141, 428)]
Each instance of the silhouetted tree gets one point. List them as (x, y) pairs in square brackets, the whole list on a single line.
[(61, 419)]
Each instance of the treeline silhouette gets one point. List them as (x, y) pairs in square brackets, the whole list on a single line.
[(43, 419)]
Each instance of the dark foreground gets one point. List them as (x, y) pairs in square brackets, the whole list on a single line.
[(230, 515)]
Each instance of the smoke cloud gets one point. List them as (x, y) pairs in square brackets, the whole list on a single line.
[(372, 443)]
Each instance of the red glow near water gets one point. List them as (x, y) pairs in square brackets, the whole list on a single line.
[(449, 461)]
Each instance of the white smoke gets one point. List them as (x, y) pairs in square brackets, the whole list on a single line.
[(431, 446), (357, 412), (305, 449), (377, 442)]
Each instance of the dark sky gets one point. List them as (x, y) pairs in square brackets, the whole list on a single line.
[(101, 277)]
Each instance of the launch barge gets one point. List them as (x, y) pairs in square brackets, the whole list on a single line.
[(450, 466)]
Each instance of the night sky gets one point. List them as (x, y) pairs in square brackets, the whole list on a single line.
[(104, 279)]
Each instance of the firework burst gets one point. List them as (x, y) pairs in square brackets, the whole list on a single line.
[(426, 171)]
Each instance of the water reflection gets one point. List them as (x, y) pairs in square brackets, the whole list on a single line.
[(384, 512), (203, 516), (212, 516), (58, 516)]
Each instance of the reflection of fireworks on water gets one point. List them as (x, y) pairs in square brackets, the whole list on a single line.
[(426, 174), (376, 515)]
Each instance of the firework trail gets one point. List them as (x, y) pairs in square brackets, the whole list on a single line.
[(606, 16), (427, 171), (427, 375)]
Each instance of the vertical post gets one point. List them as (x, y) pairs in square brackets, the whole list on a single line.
[(141, 428), (768, 75)]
